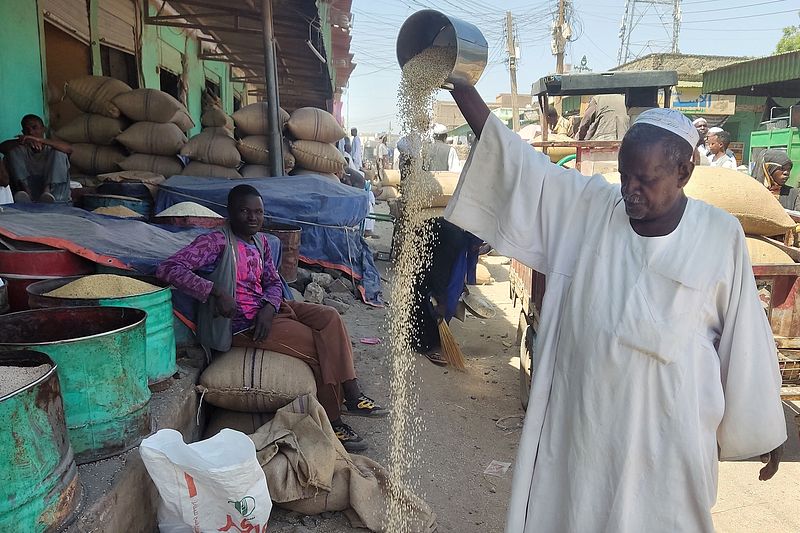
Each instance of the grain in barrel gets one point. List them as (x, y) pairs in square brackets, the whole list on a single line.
[(100, 286)]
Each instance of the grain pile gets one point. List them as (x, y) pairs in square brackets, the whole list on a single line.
[(422, 76), (17, 377), (103, 286), (188, 209), (117, 211)]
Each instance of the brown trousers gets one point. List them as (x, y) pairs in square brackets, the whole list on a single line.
[(316, 335)]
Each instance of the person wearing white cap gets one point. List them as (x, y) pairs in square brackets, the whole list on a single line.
[(728, 151), (654, 358), (442, 156)]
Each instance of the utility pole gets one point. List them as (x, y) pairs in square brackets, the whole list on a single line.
[(560, 44), (274, 140), (512, 68)]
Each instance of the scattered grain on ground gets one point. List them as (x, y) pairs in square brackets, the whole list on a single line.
[(13, 378), (103, 286), (188, 209)]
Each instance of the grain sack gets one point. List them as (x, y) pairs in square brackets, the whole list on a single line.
[(254, 150), (556, 154), (206, 147), (252, 119), (204, 170), (313, 124), (388, 192), (95, 159), (766, 253), (390, 177), (482, 275), (91, 129), (757, 209), (182, 119), (255, 381), (289, 161), (213, 117), (153, 138), (148, 105), (439, 188), (95, 94), (317, 156), (219, 131), (247, 423), (158, 164), (255, 171)]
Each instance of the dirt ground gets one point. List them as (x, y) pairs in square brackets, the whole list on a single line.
[(471, 419)]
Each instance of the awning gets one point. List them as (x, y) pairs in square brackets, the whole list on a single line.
[(777, 75), (235, 30)]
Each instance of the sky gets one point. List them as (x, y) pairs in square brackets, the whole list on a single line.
[(711, 27)]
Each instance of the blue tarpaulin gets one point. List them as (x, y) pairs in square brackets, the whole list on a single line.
[(329, 214)]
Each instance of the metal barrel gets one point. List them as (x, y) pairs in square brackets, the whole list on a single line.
[(40, 490), (100, 352), (160, 333), (429, 27), (289, 236)]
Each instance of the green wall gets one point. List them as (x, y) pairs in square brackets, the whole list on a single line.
[(21, 83)]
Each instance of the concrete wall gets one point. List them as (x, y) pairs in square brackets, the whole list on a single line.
[(21, 80)]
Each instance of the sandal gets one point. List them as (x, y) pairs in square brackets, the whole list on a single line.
[(436, 358)]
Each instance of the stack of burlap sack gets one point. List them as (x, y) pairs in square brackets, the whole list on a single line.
[(157, 132), (315, 133), (252, 127), (388, 187), (213, 152), (758, 211), (93, 134)]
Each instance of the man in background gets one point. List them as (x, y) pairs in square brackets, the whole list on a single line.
[(557, 123), (701, 125), (442, 155), (357, 149), (606, 119)]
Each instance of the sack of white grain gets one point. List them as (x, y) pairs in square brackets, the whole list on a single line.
[(556, 154), (439, 188), (758, 211), (148, 105), (206, 147), (204, 170), (213, 117), (255, 171), (159, 164), (95, 94), (765, 253), (252, 119), (95, 159), (317, 156), (153, 138), (183, 120), (91, 129), (254, 150), (313, 124), (247, 423), (255, 380), (390, 177)]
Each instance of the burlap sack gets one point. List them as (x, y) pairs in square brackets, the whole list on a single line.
[(482, 275), (556, 154), (765, 253), (182, 119), (389, 192), (317, 156), (390, 177), (213, 117), (247, 423), (254, 150), (153, 138), (95, 94), (92, 129), (757, 209), (313, 124), (254, 171), (204, 170), (165, 165), (148, 105), (219, 131), (252, 119), (252, 380), (212, 149), (439, 188), (95, 159)]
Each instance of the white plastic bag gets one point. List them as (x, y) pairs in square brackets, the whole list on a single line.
[(208, 486)]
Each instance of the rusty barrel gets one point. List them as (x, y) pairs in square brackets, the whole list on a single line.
[(40, 490), (100, 352), (159, 330), (28, 263), (290, 248)]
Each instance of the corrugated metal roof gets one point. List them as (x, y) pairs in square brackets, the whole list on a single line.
[(777, 75)]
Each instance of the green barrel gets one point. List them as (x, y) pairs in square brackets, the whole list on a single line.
[(160, 356), (39, 487), (100, 356)]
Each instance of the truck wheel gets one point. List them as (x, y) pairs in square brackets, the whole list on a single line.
[(526, 347)]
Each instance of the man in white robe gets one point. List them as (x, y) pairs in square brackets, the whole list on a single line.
[(654, 358)]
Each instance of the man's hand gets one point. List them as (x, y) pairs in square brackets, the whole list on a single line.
[(772, 460), (224, 303), (34, 142), (263, 323)]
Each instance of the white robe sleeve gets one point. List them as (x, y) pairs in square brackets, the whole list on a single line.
[(453, 164), (514, 198), (753, 422)]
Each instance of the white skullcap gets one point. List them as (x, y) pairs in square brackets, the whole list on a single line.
[(699, 121), (439, 129), (714, 130), (671, 120)]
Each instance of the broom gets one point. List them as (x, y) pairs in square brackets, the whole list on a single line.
[(450, 349)]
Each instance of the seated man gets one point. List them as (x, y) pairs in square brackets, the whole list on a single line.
[(242, 305), (39, 167)]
